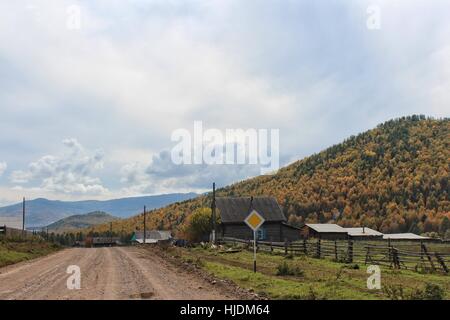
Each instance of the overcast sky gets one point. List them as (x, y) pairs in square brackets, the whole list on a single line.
[(88, 112)]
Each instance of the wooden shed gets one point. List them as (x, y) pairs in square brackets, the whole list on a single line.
[(326, 231), (102, 241), (363, 233), (405, 237), (152, 236), (234, 210)]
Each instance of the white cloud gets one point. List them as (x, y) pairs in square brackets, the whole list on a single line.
[(3, 167), (66, 173), (162, 175), (136, 71)]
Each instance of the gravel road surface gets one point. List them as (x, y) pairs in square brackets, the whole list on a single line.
[(106, 273)]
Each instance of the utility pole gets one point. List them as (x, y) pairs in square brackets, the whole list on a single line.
[(110, 233), (23, 217), (145, 231), (213, 214)]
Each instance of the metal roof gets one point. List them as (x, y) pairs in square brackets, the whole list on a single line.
[(236, 209), (360, 232), (326, 227), (146, 241), (404, 236), (98, 240), (153, 235)]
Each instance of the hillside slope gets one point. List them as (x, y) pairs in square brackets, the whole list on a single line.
[(81, 221), (394, 178)]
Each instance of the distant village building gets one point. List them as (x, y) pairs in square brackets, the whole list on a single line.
[(405, 236), (363, 233), (329, 231), (234, 210), (325, 231), (152, 236), (103, 241)]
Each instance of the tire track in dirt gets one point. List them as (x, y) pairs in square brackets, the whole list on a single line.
[(130, 282), (90, 264), (106, 273), (170, 282), (37, 278)]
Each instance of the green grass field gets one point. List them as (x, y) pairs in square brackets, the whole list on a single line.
[(17, 250), (313, 278)]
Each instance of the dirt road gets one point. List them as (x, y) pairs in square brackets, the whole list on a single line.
[(106, 273)]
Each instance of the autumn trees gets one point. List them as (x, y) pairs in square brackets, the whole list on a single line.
[(394, 178)]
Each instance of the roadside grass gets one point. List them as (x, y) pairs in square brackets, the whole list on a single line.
[(311, 279), (14, 250)]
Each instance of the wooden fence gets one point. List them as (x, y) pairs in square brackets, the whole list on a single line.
[(12, 232), (416, 256)]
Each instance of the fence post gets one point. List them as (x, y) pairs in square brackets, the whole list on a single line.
[(335, 251), (430, 259), (285, 247), (350, 251), (271, 247), (395, 259), (441, 261), (421, 252), (367, 254), (318, 253), (305, 248), (389, 251)]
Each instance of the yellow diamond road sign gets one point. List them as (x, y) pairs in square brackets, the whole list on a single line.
[(254, 220)]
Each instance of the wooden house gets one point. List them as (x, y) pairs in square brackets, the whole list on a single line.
[(234, 210)]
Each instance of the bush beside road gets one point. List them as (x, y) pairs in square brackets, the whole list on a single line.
[(14, 250)]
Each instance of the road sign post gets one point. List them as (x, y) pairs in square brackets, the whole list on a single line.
[(254, 220), (254, 251)]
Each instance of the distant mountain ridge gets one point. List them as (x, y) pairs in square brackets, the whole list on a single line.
[(81, 221), (42, 212)]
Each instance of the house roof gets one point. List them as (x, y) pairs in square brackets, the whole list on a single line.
[(290, 226), (97, 240), (326, 227), (152, 235), (360, 232), (404, 236), (236, 209), (146, 241)]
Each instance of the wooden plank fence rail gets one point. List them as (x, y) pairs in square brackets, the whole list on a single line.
[(396, 255)]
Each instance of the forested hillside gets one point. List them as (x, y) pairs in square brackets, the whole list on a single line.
[(394, 178), (81, 221)]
